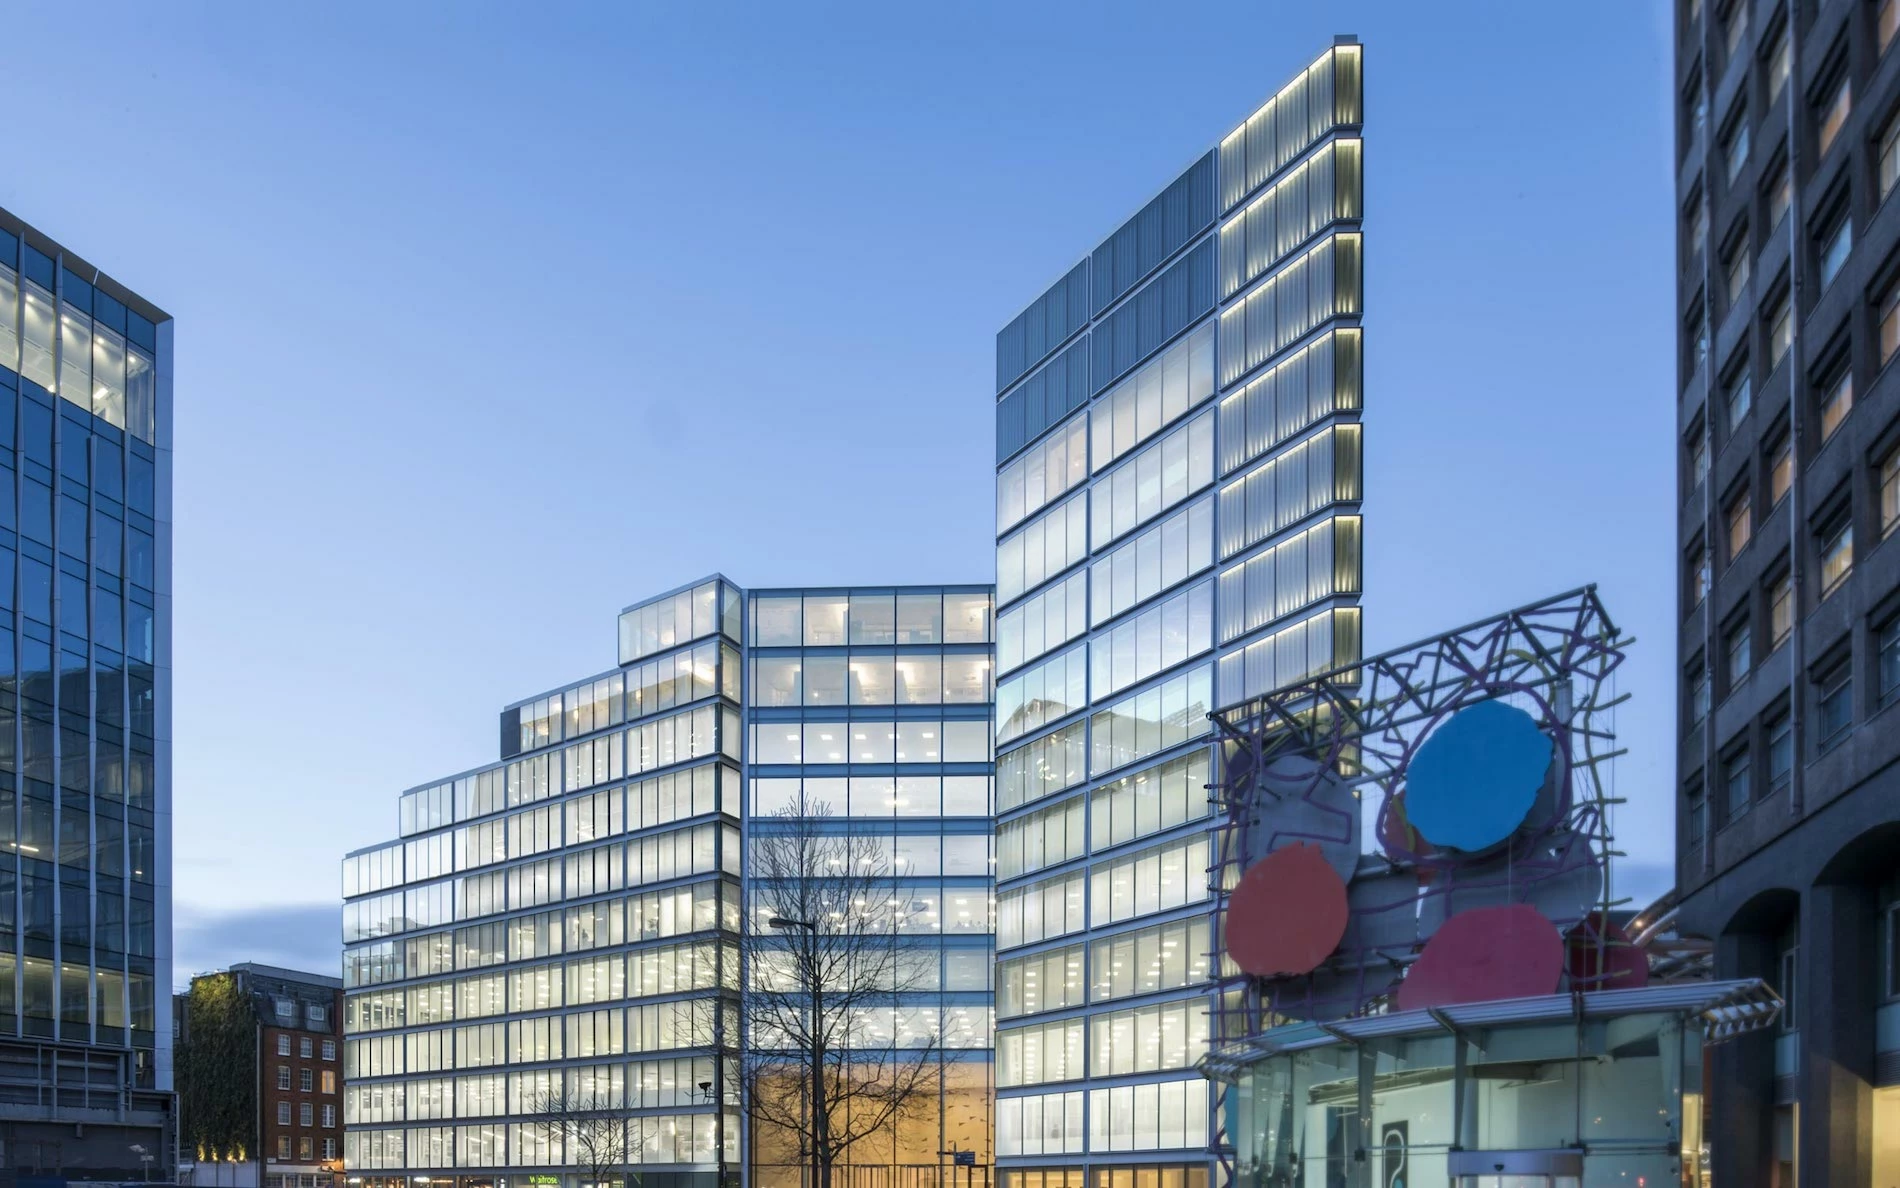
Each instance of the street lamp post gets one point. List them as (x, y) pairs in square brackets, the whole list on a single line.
[(719, 1116), (785, 924)]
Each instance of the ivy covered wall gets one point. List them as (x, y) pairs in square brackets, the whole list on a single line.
[(217, 1070)]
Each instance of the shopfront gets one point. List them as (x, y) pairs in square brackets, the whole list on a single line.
[(1584, 1091)]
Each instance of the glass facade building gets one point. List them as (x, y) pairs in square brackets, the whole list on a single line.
[(1177, 497), (85, 707), (869, 717), (559, 933)]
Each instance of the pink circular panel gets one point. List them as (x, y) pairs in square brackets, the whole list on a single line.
[(1485, 954), (1288, 913)]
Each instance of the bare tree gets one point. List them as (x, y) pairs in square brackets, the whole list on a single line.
[(581, 1126), (822, 1064)]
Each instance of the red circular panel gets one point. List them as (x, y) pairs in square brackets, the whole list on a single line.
[(1485, 954), (1288, 913)]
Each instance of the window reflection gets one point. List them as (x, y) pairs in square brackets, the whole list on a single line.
[(777, 742), (873, 619), (966, 679), (825, 675), (919, 680), (826, 742), (918, 742), (776, 622), (825, 619), (776, 680), (872, 742), (919, 618), (917, 796), (966, 618), (870, 680)]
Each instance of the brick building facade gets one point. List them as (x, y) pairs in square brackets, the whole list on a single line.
[(274, 1120)]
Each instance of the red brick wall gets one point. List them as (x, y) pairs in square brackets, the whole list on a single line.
[(270, 1096)]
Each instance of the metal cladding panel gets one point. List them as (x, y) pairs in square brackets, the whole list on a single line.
[(1326, 95), (1168, 305), (1042, 400), (1160, 229), (1044, 326)]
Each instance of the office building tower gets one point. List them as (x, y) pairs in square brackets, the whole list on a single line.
[(869, 717), (85, 717), (1178, 486), (1788, 295), (544, 974), (260, 1078)]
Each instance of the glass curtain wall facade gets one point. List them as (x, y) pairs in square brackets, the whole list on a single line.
[(550, 949), (85, 706), (1178, 487), (560, 932), (870, 717)]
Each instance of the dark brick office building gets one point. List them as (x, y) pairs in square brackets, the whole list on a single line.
[(261, 1078), (1788, 154)]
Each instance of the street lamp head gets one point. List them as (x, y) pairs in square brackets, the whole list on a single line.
[(788, 922)]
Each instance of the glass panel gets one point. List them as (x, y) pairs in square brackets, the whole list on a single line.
[(776, 622), (918, 742), (918, 680), (966, 680), (919, 618), (825, 619), (1508, 1110), (966, 618), (825, 675), (75, 358), (9, 319), (776, 680), (141, 396), (870, 680), (872, 742), (873, 619), (826, 742), (36, 335)]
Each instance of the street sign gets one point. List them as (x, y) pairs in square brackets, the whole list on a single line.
[(966, 1158)]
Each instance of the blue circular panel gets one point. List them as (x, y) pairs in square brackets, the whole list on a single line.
[(1473, 780)]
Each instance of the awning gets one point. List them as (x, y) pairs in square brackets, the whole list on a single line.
[(1726, 1009)]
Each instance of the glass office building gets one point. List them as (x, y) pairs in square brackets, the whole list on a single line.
[(1178, 486), (85, 708), (869, 716), (559, 933)]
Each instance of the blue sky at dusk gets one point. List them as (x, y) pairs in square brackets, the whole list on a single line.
[(493, 319)]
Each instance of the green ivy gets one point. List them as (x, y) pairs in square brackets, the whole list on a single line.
[(217, 1067)]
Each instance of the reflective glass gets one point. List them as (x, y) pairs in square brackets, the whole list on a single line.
[(776, 622), (919, 618), (825, 619), (873, 619)]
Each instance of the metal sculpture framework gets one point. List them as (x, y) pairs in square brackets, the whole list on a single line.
[(1307, 763)]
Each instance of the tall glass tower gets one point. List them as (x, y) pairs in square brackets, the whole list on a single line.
[(1177, 498), (85, 716)]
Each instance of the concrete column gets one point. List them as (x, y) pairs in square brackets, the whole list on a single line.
[(1835, 1007), (1742, 1078)]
